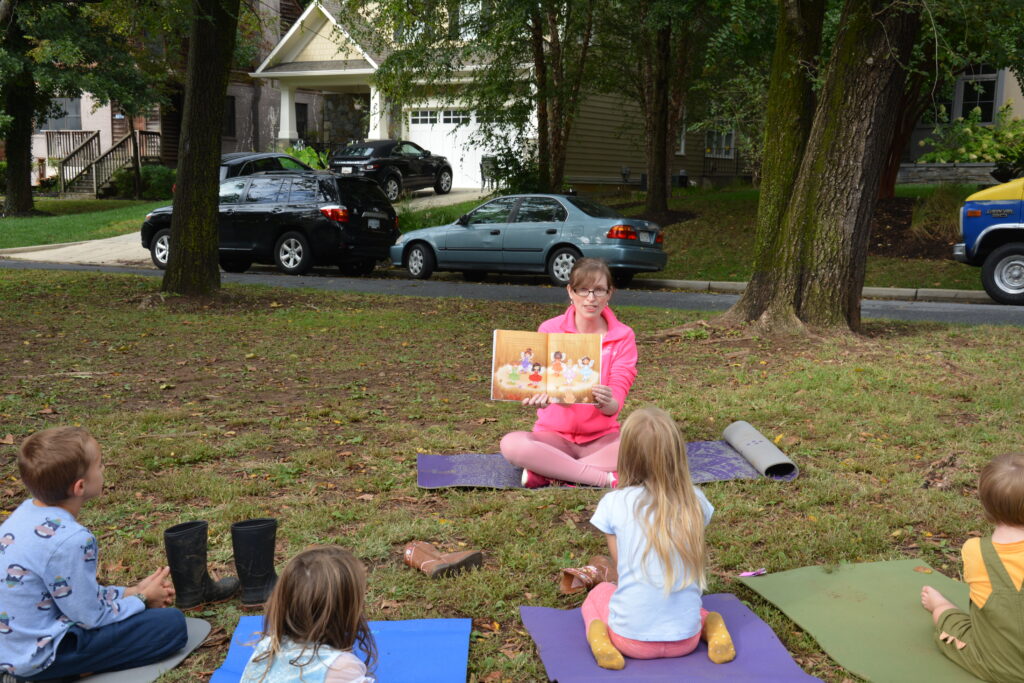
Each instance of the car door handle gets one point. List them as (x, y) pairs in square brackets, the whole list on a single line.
[(229, 211), (276, 210), (495, 232), (550, 231)]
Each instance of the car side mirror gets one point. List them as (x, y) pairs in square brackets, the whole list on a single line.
[(426, 152), (463, 220)]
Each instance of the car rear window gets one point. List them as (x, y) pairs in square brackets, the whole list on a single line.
[(356, 151), (304, 190), (360, 192), (593, 209)]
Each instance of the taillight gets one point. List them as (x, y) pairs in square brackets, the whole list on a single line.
[(622, 232), (660, 239), (335, 213)]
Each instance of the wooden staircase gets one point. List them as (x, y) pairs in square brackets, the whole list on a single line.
[(85, 170)]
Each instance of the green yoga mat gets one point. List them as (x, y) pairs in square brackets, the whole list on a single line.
[(868, 617)]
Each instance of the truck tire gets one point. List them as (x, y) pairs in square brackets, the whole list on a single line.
[(1002, 274)]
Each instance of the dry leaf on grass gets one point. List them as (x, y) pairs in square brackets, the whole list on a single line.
[(8, 440)]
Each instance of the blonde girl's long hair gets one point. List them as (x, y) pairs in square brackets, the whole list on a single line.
[(652, 454), (319, 600)]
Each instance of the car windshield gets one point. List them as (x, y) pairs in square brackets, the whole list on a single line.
[(593, 209), (357, 151)]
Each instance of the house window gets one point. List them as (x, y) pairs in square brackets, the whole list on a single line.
[(455, 116), (423, 116), (719, 144), (977, 88), (301, 119), (70, 118), (228, 129)]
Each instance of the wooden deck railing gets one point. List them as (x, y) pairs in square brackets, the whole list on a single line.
[(78, 160), (101, 167), (61, 143)]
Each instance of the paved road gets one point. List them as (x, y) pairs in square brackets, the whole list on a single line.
[(533, 289)]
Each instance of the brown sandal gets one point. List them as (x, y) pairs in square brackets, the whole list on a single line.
[(580, 579)]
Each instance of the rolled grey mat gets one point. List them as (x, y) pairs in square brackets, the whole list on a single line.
[(758, 450)]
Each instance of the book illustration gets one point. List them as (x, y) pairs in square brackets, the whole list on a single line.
[(563, 366)]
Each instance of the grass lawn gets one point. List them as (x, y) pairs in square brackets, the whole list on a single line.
[(718, 244), (311, 407), (75, 221)]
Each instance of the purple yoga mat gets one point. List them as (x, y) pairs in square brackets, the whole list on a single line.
[(709, 461), (760, 656)]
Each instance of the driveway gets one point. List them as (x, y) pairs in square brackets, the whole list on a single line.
[(126, 250)]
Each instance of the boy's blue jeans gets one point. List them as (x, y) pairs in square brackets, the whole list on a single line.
[(141, 639)]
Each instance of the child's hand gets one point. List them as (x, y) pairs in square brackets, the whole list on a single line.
[(156, 588), (537, 400)]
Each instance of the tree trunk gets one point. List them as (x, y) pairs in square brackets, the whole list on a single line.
[(540, 69), (916, 97), (827, 219), (192, 268), (770, 295), (658, 123), (19, 98)]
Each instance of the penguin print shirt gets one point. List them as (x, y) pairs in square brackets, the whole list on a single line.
[(49, 584)]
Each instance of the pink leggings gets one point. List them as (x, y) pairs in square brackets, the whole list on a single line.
[(596, 607), (555, 457)]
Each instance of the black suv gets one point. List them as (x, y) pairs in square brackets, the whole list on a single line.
[(397, 165), (294, 219), (246, 163)]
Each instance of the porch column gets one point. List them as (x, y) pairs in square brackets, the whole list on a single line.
[(287, 134), (380, 119)]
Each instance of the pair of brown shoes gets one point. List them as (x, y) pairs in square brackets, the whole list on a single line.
[(432, 562)]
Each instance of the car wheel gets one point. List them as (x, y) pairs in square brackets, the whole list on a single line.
[(622, 278), (292, 254), (1003, 274), (357, 268), (420, 261), (474, 275), (160, 248), (235, 265), (560, 265), (392, 188), (443, 185)]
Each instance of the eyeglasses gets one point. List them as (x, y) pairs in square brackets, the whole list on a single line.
[(599, 293)]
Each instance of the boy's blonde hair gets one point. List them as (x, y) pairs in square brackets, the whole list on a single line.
[(52, 460), (652, 454), (1001, 489), (319, 600)]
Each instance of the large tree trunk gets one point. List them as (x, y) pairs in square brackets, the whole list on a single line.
[(540, 69), (19, 95), (193, 265), (917, 95), (770, 295)]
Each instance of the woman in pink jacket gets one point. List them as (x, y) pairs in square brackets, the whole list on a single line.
[(580, 442)]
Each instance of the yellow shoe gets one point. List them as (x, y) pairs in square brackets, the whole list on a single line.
[(601, 645), (720, 647)]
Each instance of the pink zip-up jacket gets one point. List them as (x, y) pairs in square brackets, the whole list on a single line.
[(583, 422)]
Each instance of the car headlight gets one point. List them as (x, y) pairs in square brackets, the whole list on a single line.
[(401, 240)]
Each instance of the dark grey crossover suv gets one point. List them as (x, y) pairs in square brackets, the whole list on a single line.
[(294, 220), (397, 165)]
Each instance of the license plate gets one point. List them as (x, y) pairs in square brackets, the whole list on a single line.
[(346, 169), (646, 237), (374, 223)]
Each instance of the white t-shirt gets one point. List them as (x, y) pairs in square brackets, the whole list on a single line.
[(327, 666), (639, 608)]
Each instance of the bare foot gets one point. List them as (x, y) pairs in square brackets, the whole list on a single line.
[(933, 601)]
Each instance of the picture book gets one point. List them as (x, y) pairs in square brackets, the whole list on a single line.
[(564, 366)]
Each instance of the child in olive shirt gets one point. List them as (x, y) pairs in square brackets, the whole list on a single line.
[(55, 620)]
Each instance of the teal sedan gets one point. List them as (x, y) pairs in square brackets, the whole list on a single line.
[(534, 233)]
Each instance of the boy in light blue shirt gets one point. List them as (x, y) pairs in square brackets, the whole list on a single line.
[(56, 621)]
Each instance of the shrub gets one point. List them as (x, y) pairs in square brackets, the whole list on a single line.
[(937, 216), (157, 182), (3, 176), (309, 156), (514, 169), (968, 140)]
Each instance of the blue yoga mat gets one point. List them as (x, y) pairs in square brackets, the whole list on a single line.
[(412, 651)]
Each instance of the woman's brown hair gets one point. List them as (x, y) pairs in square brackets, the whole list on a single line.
[(588, 271), (319, 600)]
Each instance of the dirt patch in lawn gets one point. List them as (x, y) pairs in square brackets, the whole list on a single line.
[(891, 234)]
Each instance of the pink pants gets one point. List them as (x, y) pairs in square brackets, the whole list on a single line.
[(555, 457), (596, 607)]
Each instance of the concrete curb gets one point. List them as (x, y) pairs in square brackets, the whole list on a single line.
[(42, 247), (892, 293)]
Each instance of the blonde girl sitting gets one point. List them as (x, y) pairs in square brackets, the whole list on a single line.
[(314, 618), (654, 523)]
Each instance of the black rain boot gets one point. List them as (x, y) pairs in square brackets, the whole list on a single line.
[(186, 556), (253, 541)]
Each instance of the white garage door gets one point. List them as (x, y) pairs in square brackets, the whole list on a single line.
[(439, 131)]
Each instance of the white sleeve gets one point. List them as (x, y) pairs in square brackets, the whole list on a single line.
[(347, 668)]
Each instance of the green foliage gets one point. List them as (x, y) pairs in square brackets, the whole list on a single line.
[(74, 221), (310, 156), (157, 182), (968, 140), (3, 175), (514, 169)]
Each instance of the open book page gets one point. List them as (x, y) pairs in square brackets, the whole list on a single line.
[(564, 366)]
